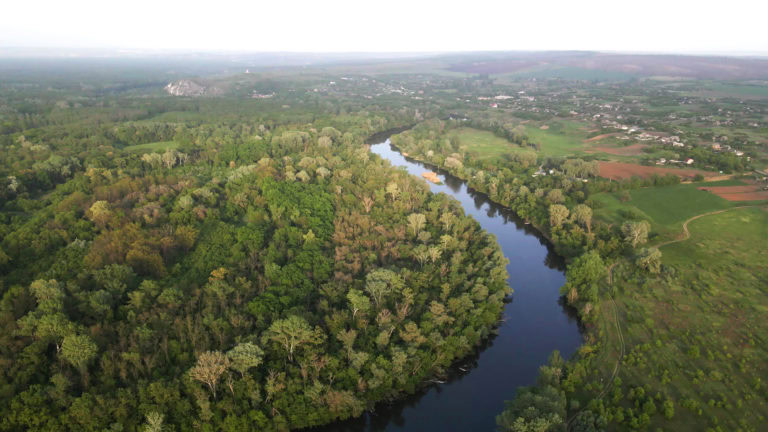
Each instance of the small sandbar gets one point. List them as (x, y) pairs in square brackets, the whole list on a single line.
[(431, 176)]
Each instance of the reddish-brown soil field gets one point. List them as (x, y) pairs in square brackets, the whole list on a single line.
[(621, 170), (745, 196), (730, 189), (631, 150), (738, 193), (599, 137)]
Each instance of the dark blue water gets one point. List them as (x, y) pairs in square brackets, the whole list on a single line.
[(534, 324)]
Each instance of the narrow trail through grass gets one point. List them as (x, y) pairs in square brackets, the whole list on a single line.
[(622, 348), (686, 234)]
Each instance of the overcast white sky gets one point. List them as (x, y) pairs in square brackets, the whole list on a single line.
[(736, 26)]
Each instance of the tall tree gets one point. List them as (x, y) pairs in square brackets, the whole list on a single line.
[(555, 196), (582, 215), (245, 356), (154, 422), (347, 337), (635, 232), (290, 333), (78, 350), (54, 327), (583, 275), (380, 283), (49, 295), (100, 213), (534, 409), (649, 259), (416, 222), (558, 214), (209, 368), (358, 302)]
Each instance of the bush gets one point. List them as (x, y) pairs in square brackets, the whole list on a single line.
[(624, 196)]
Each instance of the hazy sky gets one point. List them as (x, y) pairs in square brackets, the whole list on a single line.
[(389, 25)]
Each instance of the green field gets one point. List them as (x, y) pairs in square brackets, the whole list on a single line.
[(562, 138), (152, 147), (737, 90), (724, 239), (568, 73), (698, 339), (484, 143), (666, 208)]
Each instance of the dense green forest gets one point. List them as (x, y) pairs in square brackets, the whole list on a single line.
[(264, 272)]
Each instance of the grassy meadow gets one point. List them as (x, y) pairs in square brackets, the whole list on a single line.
[(485, 144), (697, 339), (560, 138), (666, 208)]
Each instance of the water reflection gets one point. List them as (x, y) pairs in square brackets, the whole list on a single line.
[(533, 325)]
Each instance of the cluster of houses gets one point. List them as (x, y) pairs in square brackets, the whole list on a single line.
[(673, 140), (724, 147), (542, 172), (503, 97), (663, 161), (638, 135)]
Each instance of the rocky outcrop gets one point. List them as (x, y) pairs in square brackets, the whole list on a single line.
[(189, 88)]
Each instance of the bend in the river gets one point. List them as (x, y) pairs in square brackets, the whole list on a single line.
[(533, 325)]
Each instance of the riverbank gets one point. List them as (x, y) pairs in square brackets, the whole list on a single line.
[(533, 324), (538, 228), (619, 369)]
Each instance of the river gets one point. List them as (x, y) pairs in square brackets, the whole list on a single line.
[(534, 324)]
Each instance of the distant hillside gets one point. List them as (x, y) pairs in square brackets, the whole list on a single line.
[(710, 67)]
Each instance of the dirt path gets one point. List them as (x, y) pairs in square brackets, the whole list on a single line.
[(622, 348), (686, 234), (599, 137), (622, 345)]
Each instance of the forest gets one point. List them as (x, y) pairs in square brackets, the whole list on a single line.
[(268, 274)]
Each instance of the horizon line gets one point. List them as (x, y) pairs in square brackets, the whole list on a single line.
[(106, 52)]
